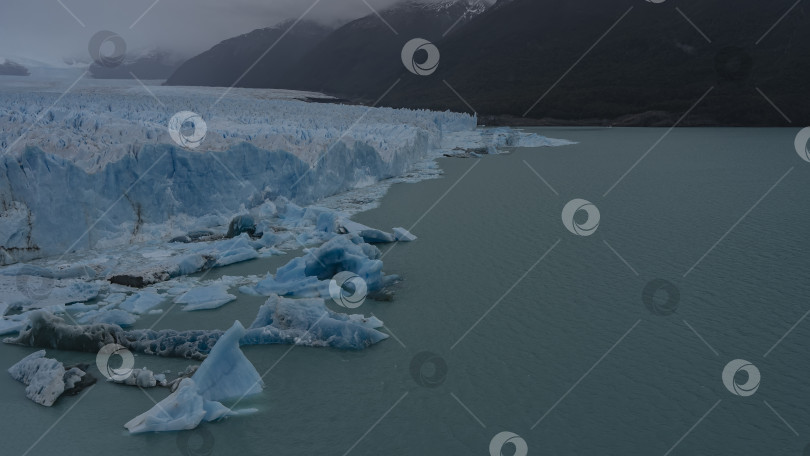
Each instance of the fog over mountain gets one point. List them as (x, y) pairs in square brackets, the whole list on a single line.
[(50, 32)]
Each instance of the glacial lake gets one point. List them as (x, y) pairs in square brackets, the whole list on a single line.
[(532, 329)]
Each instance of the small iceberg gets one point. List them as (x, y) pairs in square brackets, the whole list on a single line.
[(308, 276), (141, 302), (48, 379), (309, 322), (403, 235), (204, 298)]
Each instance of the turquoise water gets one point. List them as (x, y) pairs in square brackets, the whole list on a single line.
[(558, 349)]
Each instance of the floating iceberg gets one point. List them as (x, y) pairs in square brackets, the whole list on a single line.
[(370, 235), (403, 235), (34, 291), (208, 297), (225, 374), (47, 378), (9, 326), (118, 317), (279, 321), (309, 275), (182, 410), (141, 302), (483, 141), (142, 378), (309, 322)]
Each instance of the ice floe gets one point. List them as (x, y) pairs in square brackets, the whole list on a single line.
[(205, 297)]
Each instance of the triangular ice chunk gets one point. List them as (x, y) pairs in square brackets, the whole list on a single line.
[(226, 373)]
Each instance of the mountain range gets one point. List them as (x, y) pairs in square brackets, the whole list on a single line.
[(259, 59), (624, 62), (10, 68), (152, 65)]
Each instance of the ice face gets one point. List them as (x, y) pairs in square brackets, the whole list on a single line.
[(117, 143), (225, 374)]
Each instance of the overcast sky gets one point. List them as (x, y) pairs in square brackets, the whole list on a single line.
[(45, 30)]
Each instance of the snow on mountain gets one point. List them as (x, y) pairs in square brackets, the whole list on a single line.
[(473, 7)]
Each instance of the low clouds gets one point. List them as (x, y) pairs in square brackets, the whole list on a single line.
[(49, 31)]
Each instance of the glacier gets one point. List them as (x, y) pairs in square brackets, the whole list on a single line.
[(100, 168)]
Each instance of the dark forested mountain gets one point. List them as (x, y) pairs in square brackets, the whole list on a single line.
[(225, 63), (9, 68), (623, 62), (649, 69), (363, 57)]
